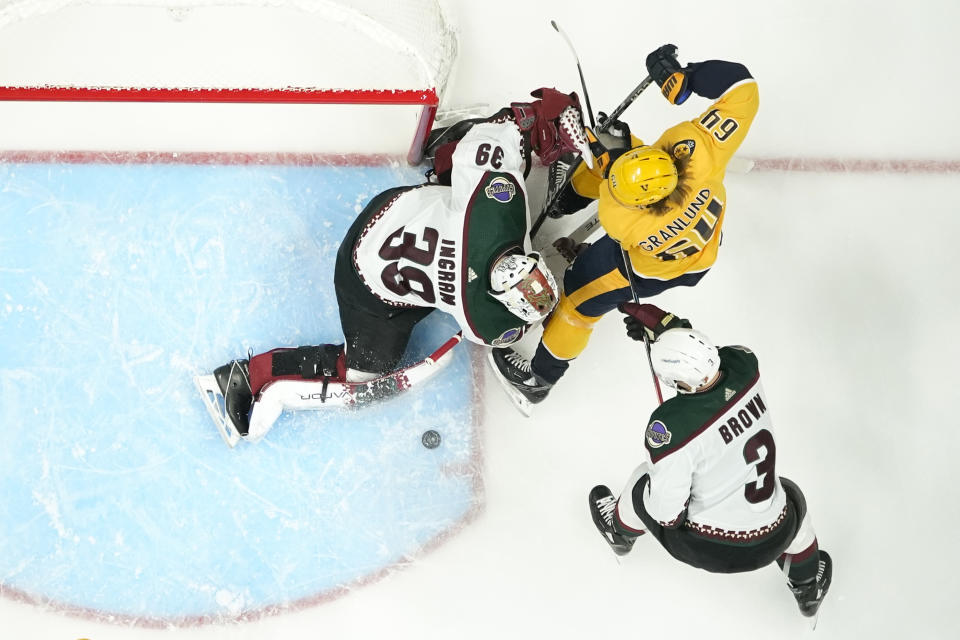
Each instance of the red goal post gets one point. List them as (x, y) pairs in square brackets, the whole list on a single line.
[(414, 35), (427, 99)]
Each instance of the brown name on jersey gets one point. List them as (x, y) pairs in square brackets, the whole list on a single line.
[(735, 426)]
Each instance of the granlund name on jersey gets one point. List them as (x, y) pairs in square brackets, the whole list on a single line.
[(433, 246), (716, 449), (682, 233)]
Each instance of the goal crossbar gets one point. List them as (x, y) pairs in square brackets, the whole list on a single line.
[(427, 98)]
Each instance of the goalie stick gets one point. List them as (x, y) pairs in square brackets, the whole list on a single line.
[(333, 392)]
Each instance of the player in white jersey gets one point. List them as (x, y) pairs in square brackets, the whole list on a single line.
[(461, 246), (710, 491)]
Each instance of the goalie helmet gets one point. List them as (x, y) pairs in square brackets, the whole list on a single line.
[(524, 285), (642, 176), (684, 355)]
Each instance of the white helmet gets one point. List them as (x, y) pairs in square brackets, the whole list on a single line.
[(684, 355), (524, 285)]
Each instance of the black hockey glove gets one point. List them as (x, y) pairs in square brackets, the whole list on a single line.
[(615, 134), (649, 320), (663, 67), (615, 128)]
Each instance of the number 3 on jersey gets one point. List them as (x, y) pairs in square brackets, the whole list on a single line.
[(760, 449)]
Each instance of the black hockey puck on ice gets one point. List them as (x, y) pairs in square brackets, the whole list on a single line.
[(430, 439)]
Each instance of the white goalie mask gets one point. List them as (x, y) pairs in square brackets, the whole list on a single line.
[(684, 355), (524, 285)]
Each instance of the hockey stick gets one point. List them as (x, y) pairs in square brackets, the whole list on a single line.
[(302, 394), (646, 340), (601, 128), (583, 84)]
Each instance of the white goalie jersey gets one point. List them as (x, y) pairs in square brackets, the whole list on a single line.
[(433, 245)]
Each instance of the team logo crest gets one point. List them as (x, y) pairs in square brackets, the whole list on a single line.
[(507, 337), (683, 149), (658, 434), (501, 190)]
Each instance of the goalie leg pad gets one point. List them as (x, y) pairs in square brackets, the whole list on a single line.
[(323, 362), (299, 378), (309, 362)]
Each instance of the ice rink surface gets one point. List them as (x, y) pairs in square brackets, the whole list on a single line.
[(122, 282), (842, 282)]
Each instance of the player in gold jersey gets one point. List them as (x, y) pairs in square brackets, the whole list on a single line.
[(662, 207)]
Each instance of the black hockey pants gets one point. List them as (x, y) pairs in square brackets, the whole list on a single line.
[(719, 557)]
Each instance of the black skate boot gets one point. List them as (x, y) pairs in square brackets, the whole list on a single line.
[(810, 594), (602, 506), (557, 181), (515, 369), (233, 379), (513, 373)]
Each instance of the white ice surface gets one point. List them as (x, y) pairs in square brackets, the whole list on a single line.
[(844, 285)]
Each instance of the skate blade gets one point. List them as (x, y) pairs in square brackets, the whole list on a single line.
[(213, 400), (814, 619), (516, 398)]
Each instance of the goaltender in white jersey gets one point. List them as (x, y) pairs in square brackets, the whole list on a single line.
[(461, 246), (431, 246)]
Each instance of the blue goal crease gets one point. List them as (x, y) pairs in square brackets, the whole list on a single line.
[(118, 284)]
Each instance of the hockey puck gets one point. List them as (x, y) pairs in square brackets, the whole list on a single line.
[(430, 439)]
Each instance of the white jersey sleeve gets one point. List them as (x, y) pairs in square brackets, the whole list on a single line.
[(667, 493), (486, 147), (420, 248)]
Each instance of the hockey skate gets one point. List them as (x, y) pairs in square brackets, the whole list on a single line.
[(602, 507), (810, 595), (558, 177), (228, 397), (513, 372)]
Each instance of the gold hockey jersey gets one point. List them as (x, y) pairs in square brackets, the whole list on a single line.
[(681, 234)]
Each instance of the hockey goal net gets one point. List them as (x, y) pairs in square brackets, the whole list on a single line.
[(280, 58)]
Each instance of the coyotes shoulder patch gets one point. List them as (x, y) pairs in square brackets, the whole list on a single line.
[(657, 434)]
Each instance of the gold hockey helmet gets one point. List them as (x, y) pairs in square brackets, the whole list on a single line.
[(642, 176)]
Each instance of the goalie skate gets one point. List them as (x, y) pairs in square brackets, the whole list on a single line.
[(215, 403)]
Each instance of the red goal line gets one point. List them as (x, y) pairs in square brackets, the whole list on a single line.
[(856, 165), (809, 165)]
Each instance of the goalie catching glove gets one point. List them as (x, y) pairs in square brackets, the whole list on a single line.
[(649, 320), (553, 124)]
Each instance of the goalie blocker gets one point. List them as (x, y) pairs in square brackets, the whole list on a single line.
[(245, 397)]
